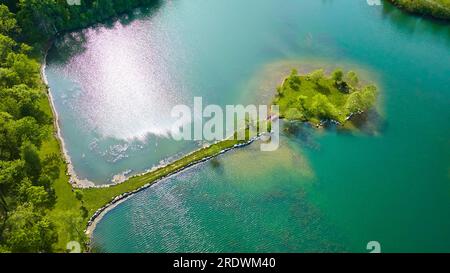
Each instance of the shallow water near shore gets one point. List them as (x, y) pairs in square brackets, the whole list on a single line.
[(325, 190)]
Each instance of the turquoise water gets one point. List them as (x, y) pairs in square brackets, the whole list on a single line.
[(323, 190)]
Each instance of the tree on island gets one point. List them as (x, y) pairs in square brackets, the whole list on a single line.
[(337, 75), (352, 79), (322, 108)]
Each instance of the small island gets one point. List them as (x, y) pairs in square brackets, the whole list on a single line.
[(317, 97)]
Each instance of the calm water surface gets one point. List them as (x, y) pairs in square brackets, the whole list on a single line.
[(322, 191)]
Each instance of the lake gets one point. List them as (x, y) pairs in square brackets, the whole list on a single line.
[(324, 190)]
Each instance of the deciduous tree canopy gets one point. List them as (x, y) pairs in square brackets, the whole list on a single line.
[(25, 194)]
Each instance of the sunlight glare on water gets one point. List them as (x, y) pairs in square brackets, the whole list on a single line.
[(127, 81)]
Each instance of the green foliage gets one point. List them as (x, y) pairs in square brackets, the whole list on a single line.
[(352, 79), (50, 166), (43, 19), (337, 75), (316, 96), (26, 180), (354, 103), (294, 114), (15, 132), (84, 212), (27, 230), (316, 75), (18, 68), (369, 96), (11, 174), (8, 23), (30, 156), (6, 46), (322, 108), (20, 101), (35, 195), (78, 194)]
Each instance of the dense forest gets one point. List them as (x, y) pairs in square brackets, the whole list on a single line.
[(26, 191), (43, 19), (435, 8), (27, 172)]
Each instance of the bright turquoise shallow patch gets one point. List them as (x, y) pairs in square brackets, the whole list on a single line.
[(392, 187)]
